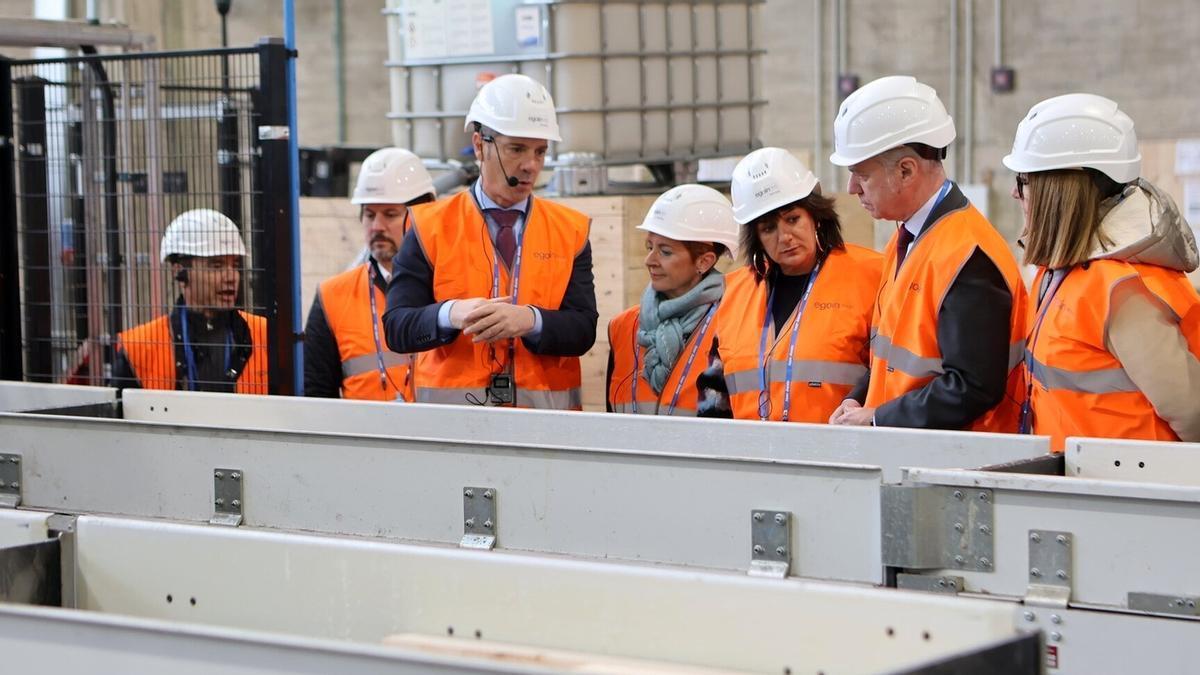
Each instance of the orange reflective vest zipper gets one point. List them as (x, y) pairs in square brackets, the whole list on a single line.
[(905, 355), (150, 349), (830, 351), (350, 301), (454, 237), (1078, 387), (630, 392)]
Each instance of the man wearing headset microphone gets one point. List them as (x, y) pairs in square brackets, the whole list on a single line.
[(204, 343), (493, 286), (344, 351)]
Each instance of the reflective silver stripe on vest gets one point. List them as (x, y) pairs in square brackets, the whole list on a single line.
[(825, 372), (567, 399), (910, 364), (1016, 354), (899, 358), (651, 408), (1106, 381), (368, 363)]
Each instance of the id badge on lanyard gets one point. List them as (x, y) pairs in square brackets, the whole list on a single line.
[(764, 363)]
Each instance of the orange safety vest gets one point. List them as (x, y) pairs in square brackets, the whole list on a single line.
[(455, 239), (831, 347), (905, 354), (1079, 387), (348, 313), (151, 352), (679, 394)]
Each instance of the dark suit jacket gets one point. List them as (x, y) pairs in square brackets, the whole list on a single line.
[(410, 323), (973, 334)]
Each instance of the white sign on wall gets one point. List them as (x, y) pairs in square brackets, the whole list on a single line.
[(435, 29)]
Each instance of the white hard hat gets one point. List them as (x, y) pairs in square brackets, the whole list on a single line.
[(888, 113), (392, 176), (515, 105), (767, 179), (1077, 131), (693, 213), (202, 233)]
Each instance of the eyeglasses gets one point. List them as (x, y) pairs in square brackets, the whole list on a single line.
[(1022, 181)]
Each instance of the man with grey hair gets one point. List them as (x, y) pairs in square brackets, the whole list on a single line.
[(949, 324)]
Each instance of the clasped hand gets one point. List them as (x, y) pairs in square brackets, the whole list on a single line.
[(488, 320)]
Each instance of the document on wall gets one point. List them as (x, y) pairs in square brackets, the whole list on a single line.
[(435, 29)]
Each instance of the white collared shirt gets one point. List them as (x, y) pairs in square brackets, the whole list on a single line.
[(917, 221)]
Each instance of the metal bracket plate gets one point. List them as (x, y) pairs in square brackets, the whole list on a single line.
[(937, 527), (10, 481), (771, 543), (479, 518), (227, 497), (1050, 570), (1158, 603), (929, 584)]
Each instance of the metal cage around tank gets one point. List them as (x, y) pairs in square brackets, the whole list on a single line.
[(634, 81), (103, 151)]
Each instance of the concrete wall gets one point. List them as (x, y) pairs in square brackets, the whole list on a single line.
[(1144, 55), (194, 24)]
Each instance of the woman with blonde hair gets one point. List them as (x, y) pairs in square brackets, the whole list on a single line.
[(1114, 343)]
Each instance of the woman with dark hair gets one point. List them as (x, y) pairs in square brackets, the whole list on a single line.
[(1114, 343), (793, 329)]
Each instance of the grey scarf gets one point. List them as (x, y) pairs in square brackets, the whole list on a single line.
[(665, 324)]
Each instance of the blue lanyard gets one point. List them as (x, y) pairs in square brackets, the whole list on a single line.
[(764, 361), (945, 190), (516, 270), (697, 338), (189, 356), (1027, 407), (375, 325), (516, 267)]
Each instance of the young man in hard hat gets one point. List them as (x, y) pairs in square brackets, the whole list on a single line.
[(493, 285), (344, 351), (205, 343), (948, 327)]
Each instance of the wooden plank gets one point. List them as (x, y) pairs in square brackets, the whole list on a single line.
[(556, 659)]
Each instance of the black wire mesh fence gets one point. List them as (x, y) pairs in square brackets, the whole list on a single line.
[(152, 231)]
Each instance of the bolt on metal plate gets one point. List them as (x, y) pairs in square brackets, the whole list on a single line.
[(1051, 573), (929, 584), (227, 497), (1161, 603), (770, 543), (10, 480), (479, 518), (937, 527)]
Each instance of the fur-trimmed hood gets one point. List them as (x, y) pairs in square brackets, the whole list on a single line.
[(1143, 225)]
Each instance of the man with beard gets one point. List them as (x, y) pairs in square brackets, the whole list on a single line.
[(205, 343), (344, 351), (494, 286)]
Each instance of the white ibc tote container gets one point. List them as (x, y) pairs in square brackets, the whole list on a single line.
[(634, 81)]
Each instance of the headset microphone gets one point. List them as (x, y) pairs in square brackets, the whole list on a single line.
[(182, 276), (511, 180)]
